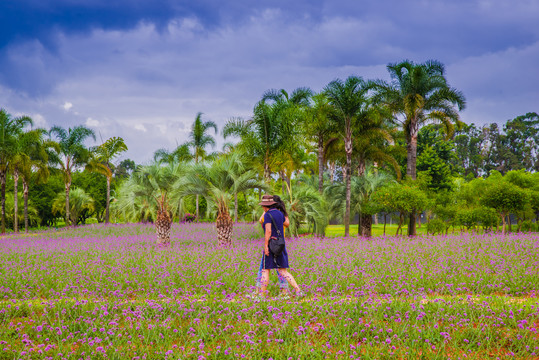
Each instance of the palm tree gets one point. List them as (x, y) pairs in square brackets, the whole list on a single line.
[(305, 204), (10, 128), (272, 134), (199, 140), (371, 181), (29, 153), (101, 162), (70, 154), (419, 94), (349, 101), (318, 127), (181, 153), (290, 110), (218, 182), (145, 197)]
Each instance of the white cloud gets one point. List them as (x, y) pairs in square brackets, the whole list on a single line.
[(39, 120), (92, 122), (67, 106), (140, 127)]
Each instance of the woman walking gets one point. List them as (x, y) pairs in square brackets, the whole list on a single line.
[(283, 284), (273, 223)]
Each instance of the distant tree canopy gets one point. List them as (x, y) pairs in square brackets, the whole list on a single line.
[(356, 148)]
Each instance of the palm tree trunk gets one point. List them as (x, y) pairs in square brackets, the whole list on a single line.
[(197, 207), (362, 167), (224, 228), (366, 225), (236, 208), (15, 201), (331, 172), (348, 177), (411, 150), (267, 173), (108, 202), (25, 190), (3, 195), (68, 213), (320, 164), (163, 225), (359, 225)]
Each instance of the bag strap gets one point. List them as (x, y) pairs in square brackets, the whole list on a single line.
[(276, 228)]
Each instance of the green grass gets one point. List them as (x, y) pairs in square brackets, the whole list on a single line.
[(377, 230)]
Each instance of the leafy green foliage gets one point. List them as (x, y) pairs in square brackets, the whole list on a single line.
[(33, 217), (42, 196), (436, 226), (81, 205), (95, 185), (504, 197)]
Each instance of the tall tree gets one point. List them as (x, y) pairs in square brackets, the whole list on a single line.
[(70, 154), (268, 137), (418, 94), (319, 129), (124, 169), (10, 128), (348, 99), (29, 153), (290, 110), (469, 145), (522, 139), (436, 157), (198, 141), (101, 162)]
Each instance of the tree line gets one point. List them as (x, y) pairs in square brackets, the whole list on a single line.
[(331, 155)]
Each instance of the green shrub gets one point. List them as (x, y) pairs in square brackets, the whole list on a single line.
[(436, 226), (527, 225), (466, 217), (487, 217)]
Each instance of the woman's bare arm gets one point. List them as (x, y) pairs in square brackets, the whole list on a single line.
[(286, 222)]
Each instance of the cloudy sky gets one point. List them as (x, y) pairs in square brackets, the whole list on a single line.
[(142, 69)]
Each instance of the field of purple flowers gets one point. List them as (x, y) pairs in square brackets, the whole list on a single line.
[(97, 292)]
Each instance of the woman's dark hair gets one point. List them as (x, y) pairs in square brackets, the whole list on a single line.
[(279, 205)]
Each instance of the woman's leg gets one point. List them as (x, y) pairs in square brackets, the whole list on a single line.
[(259, 275), (285, 274), (264, 282), (283, 284)]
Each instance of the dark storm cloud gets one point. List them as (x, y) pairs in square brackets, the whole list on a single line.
[(143, 69)]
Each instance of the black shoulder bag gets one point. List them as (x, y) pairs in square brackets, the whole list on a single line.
[(276, 244)]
